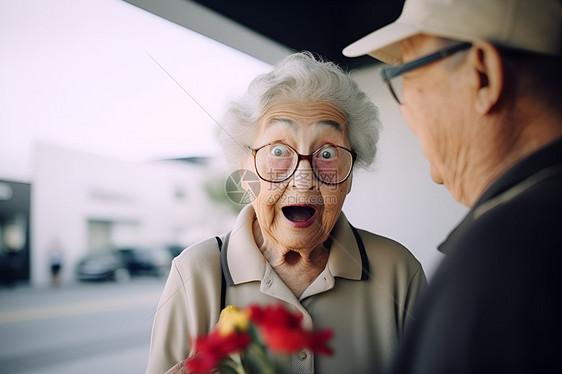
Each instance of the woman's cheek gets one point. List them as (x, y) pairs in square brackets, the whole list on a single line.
[(334, 198), (267, 201)]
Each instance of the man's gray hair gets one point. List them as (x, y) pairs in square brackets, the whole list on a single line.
[(301, 77)]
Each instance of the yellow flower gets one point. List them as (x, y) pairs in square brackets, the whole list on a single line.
[(233, 319)]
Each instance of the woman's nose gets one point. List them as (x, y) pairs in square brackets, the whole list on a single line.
[(303, 178)]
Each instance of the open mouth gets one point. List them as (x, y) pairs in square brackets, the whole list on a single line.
[(297, 213)]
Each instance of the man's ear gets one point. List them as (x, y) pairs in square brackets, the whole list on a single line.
[(488, 78)]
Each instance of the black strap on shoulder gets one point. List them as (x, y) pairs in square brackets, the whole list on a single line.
[(364, 259), (223, 280)]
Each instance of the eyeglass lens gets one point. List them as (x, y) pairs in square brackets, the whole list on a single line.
[(277, 162)]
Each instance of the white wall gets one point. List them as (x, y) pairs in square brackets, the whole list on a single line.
[(397, 198)]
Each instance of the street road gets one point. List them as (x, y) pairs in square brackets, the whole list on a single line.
[(87, 328)]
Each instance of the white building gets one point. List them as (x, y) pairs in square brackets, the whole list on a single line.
[(88, 203)]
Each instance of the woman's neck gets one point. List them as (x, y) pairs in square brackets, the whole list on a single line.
[(297, 268)]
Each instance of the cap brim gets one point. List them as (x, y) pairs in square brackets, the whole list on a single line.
[(383, 44)]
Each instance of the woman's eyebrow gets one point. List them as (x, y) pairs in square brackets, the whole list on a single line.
[(287, 122), (280, 121), (333, 124)]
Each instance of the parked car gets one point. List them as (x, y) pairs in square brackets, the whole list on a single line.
[(146, 261), (123, 263), (106, 265)]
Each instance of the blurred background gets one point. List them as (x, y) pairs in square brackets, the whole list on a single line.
[(109, 163)]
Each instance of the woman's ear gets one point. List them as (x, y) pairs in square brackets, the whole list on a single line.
[(349, 183), (488, 77), (244, 167)]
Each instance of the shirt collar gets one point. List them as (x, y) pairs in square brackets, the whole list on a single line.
[(345, 257), (245, 262)]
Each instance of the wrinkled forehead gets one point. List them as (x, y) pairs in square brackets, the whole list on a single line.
[(296, 114)]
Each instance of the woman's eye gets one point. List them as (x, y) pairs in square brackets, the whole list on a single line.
[(328, 153), (279, 150)]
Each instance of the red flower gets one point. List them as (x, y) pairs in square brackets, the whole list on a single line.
[(201, 363), (284, 341), (319, 342), (213, 348), (273, 327), (283, 333)]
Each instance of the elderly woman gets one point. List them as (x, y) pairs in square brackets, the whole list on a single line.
[(301, 129)]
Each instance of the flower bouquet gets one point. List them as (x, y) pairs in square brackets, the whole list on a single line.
[(244, 340)]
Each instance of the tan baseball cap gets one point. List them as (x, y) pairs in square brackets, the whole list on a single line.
[(533, 25)]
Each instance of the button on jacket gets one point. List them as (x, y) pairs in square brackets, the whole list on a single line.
[(365, 295)]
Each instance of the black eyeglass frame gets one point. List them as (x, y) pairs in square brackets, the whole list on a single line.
[(304, 157), (395, 71)]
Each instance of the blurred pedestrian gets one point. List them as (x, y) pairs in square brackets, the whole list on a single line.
[(55, 262)]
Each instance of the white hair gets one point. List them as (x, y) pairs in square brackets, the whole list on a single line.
[(305, 78)]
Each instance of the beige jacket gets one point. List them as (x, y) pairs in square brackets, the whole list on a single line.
[(365, 296)]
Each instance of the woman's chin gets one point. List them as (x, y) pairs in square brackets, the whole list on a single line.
[(296, 238)]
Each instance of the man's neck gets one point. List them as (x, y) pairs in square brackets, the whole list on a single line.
[(502, 152)]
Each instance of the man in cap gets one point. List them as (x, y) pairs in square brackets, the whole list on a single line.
[(479, 82)]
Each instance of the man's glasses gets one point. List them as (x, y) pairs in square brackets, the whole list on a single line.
[(393, 76), (277, 162)]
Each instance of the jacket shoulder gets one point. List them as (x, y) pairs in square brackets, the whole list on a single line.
[(380, 247), (198, 253)]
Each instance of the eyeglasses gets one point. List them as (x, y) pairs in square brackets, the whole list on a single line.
[(393, 76), (277, 162)]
